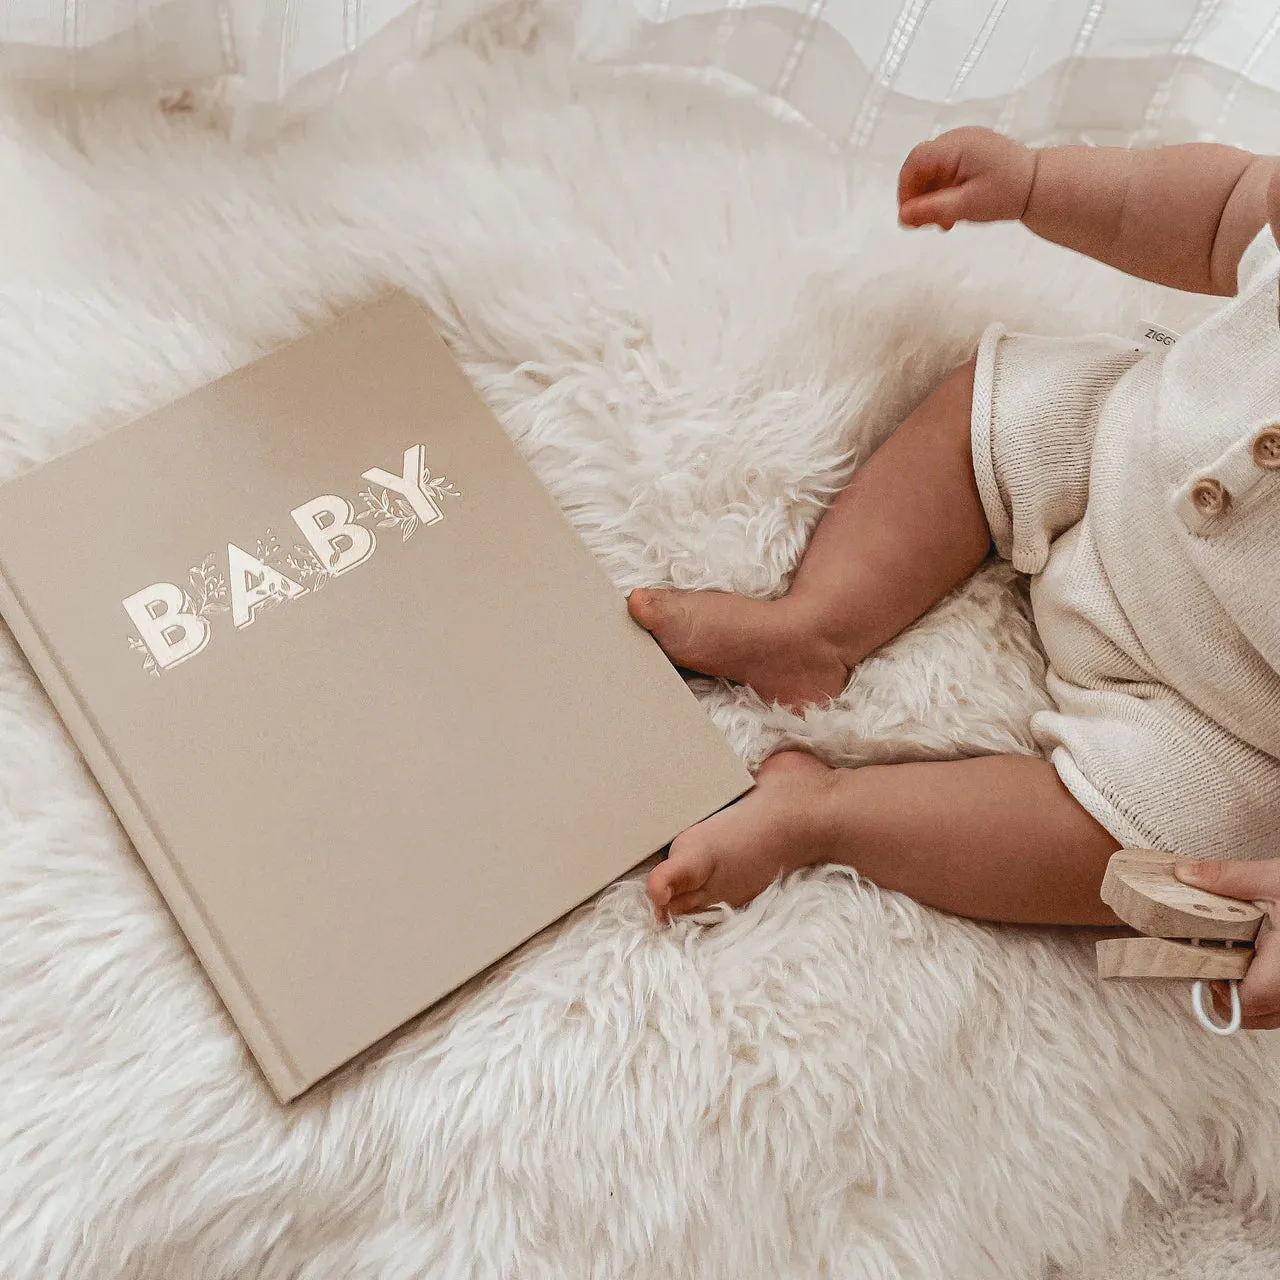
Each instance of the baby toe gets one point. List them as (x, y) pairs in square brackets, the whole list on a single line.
[(686, 869), (688, 904), (665, 615)]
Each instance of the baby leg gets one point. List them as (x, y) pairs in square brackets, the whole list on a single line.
[(993, 838), (909, 527)]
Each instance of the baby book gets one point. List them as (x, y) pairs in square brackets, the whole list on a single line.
[(366, 706)]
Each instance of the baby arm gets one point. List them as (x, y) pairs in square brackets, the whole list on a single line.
[(1179, 216)]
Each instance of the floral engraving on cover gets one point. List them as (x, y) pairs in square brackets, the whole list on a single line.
[(303, 565), (299, 565), (392, 505), (389, 512), (148, 662), (208, 593)]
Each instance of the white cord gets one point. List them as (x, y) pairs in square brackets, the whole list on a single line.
[(1203, 1018)]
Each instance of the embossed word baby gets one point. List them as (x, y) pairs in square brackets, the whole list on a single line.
[(173, 622)]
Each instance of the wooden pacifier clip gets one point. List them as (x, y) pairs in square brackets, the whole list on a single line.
[(1183, 934)]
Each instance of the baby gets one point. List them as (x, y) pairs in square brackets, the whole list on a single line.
[(1140, 489)]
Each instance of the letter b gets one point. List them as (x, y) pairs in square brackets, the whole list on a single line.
[(328, 524), (168, 628)]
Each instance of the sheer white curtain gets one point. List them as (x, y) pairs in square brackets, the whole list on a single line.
[(881, 74), (877, 74)]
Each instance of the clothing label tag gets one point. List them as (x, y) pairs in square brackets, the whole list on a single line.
[(1155, 336)]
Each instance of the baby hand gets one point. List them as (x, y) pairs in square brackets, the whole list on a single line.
[(966, 175), (1260, 882)]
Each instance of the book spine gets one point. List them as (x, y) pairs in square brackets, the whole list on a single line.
[(282, 1074)]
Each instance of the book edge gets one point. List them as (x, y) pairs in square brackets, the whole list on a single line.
[(281, 1073)]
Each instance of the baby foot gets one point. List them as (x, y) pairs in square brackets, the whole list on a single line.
[(777, 827), (766, 644)]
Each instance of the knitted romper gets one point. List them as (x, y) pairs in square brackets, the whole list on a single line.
[(1141, 490)]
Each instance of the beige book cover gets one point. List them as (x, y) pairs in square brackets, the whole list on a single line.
[(367, 707)]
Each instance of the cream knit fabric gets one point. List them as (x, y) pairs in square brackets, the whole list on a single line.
[(1141, 489)]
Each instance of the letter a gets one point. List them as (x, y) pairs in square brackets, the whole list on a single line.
[(328, 524), (171, 632), (252, 583), (409, 485)]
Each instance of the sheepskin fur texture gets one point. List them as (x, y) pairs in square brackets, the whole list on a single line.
[(694, 319)]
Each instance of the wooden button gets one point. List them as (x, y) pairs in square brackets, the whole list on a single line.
[(1209, 497), (1266, 448)]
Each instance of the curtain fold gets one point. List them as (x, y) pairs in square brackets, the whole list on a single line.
[(872, 74), (879, 75), (273, 60)]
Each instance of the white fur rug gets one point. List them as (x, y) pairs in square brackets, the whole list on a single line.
[(688, 314)]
